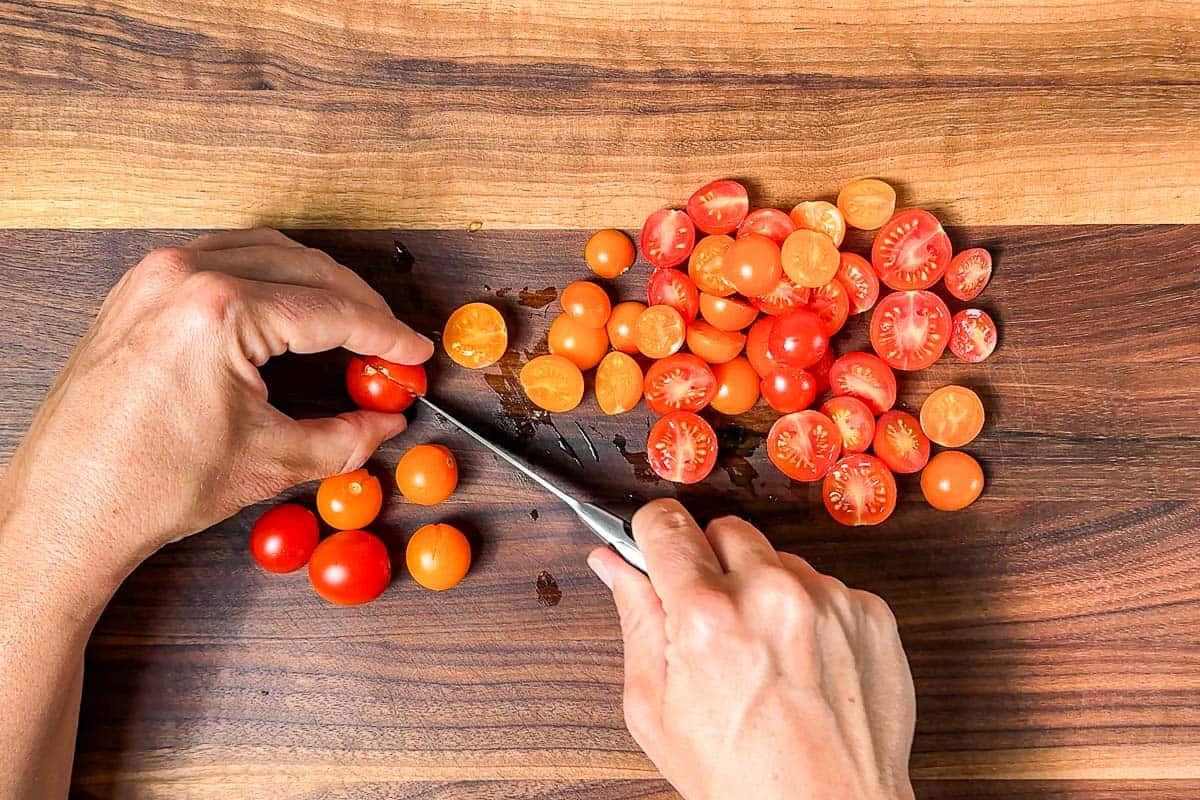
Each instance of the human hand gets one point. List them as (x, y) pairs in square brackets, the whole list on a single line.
[(750, 674)]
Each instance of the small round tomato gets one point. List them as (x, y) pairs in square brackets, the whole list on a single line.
[(911, 251), (586, 303), (668, 237), (618, 384), (758, 346), (752, 264), (952, 481), (952, 416), (438, 556), (609, 252), (582, 345), (900, 442), (809, 258), (769, 222), (660, 332), (972, 335), (283, 538), (682, 447), (820, 371), (350, 501), (866, 203), (682, 382), (427, 474), (350, 568), (853, 420), (804, 445), (622, 323), (475, 336), (859, 490), (910, 330), (785, 297), (798, 339), (819, 215), (968, 273), (706, 266), (553, 383), (737, 387), (866, 377), (670, 287), (860, 280), (727, 313), (831, 304), (719, 207), (378, 385), (713, 344), (787, 389)]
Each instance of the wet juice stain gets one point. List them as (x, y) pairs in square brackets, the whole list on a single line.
[(537, 299), (548, 592), (402, 258)]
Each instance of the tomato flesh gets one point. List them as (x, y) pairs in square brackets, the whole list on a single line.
[(860, 280), (804, 445), (831, 304), (553, 383), (900, 442), (769, 222), (854, 421), (670, 287), (819, 215), (968, 273), (719, 207), (972, 335), (706, 266), (682, 382), (668, 237), (660, 331), (866, 377), (911, 251), (859, 490), (682, 447), (619, 384), (785, 297), (475, 336), (910, 330)]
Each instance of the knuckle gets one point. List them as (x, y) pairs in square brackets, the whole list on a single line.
[(160, 266), (778, 585), (208, 299), (322, 265), (874, 606), (710, 620)]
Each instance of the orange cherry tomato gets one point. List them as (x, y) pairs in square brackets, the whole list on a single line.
[(706, 265), (660, 332), (810, 258), (350, 501), (866, 203), (350, 568), (751, 264), (609, 252), (819, 215), (586, 303), (758, 346), (438, 556), (427, 474), (737, 387), (475, 336), (727, 313), (582, 345), (952, 480), (553, 383), (622, 325), (952, 416), (713, 344), (618, 384)]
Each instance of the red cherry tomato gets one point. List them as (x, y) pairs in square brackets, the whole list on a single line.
[(682, 382), (719, 207), (350, 501), (911, 251), (727, 313), (378, 385), (350, 568), (713, 344), (438, 556), (670, 287), (968, 273), (854, 421), (798, 339), (769, 222), (831, 304), (820, 371), (283, 538), (752, 264), (972, 335), (785, 297), (860, 280), (901, 443), (682, 447), (758, 346), (668, 237), (910, 330), (804, 445), (787, 389), (866, 377), (737, 387), (859, 490)]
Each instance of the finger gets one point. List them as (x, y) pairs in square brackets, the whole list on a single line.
[(317, 448), (678, 557), (800, 566), (223, 240), (739, 545)]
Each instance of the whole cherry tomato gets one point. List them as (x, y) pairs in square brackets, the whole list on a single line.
[(438, 556), (378, 385), (350, 568), (350, 501), (283, 538), (427, 474)]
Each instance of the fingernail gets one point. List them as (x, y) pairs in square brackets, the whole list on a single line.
[(598, 566)]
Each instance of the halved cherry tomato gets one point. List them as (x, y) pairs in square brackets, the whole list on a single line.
[(804, 445), (859, 490), (350, 568), (719, 207), (622, 325), (438, 556), (618, 384), (706, 266), (798, 339), (972, 335), (831, 304), (682, 447), (911, 251), (809, 258), (910, 330), (349, 501), (866, 203), (378, 385), (752, 264), (952, 481), (820, 371), (586, 303), (860, 280), (737, 387), (866, 377), (283, 538), (427, 474), (682, 382), (670, 287), (713, 344), (952, 416), (769, 222), (727, 313), (475, 336), (668, 237), (660, 331), (968, 273), (853, 420), (785, 297), (758, 347), (819, 215), (900, 442), (579, 343), (787, 389), (609, 252), (553, 383)]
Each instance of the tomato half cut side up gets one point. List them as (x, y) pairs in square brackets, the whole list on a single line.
[(866, 377), (706, 266), (831, 304), (670, 287), (660, 332), (859, 490), (682, 382), (809, 258), (866, 203), (952, 416), (854, 421), (972, 335), (910, 330), (785, 297), (378, 385), (860, 280), (911, 251), (968, 273), (667, 238), (475, 336), (618, 384), (769, 222), (552, 383), (682, 447), (900, 442), (804, 445), (719, 207), (819, 215)]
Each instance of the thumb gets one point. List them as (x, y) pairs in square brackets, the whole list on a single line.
[(328, 446)]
